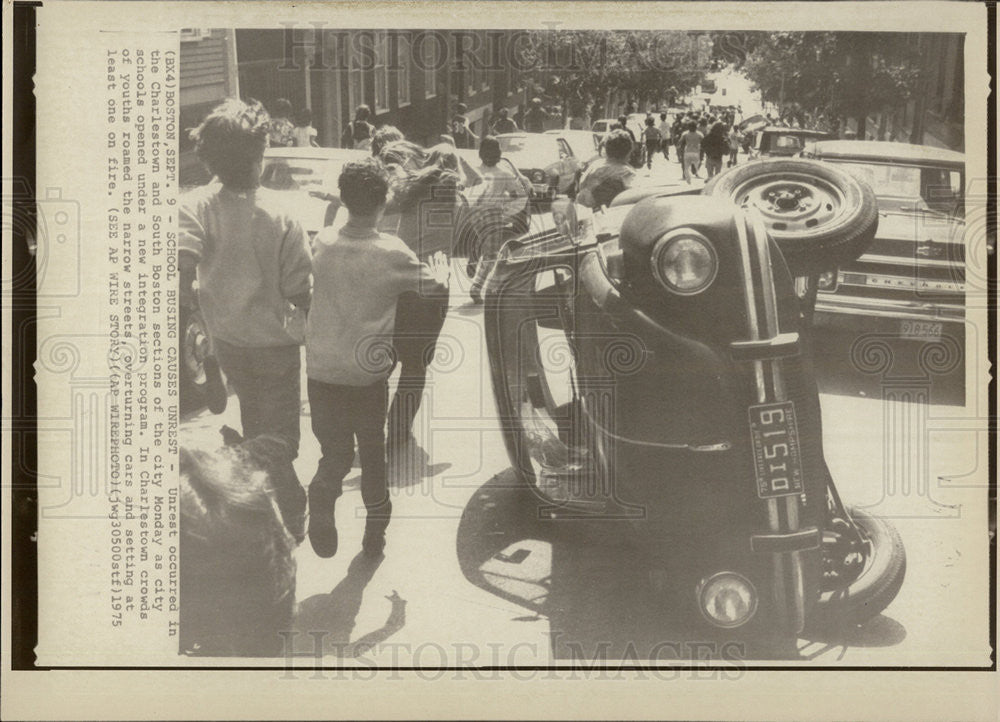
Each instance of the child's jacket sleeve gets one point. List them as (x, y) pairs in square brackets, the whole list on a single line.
[(296, 261)]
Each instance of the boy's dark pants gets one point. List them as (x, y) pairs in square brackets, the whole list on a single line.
[(339, 414), (266, 382), (419, 320)]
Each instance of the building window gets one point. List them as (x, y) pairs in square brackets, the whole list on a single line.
[(381, 71), (484, 58), (356, 81), (429, 61), (402, 71)]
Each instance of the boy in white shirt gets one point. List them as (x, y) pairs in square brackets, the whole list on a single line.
[(359, 274)]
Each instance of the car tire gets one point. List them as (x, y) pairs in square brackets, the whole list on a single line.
[(876, 586), (834, 218)]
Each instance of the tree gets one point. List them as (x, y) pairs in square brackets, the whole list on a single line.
[(846, 75), (581, 66)]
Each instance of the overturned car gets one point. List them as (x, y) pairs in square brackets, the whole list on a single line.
[(651, 363)]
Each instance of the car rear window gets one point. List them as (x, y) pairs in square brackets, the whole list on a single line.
[(540, 149), (294, 174), (939, 188)]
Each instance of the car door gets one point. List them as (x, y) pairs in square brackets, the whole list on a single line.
[(568, 166)]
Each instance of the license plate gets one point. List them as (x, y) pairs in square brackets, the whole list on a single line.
[(924, 330), (777, 458)]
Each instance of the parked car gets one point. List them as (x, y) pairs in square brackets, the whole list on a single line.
[(912, 278), (546, 160), (309, 177), (586, 145), (773, 140), (603, 126)]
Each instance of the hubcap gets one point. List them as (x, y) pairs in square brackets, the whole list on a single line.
[(792, 203), (845, 553)]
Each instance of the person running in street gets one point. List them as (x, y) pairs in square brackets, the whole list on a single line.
[(504, 124), (676, 131), (734, 145), (715, 146), (358, 134), (606, 178), (360, 274), (304, 135), (460, 130), (664, 128), (652, 138), (280, 133), (690, 150), (496, 201), (535, 118), (425, 197), (253, 267), (384, 135)]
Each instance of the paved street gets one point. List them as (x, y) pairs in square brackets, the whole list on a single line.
[(472, 576)]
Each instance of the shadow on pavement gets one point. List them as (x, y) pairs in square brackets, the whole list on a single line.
[(882, 631), (329, 619), (592, 582)]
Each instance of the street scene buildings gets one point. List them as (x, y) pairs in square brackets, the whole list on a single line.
[(414, 79), (853, 350)]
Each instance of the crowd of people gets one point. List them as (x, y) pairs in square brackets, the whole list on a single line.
[(293, 128), (369, 293)]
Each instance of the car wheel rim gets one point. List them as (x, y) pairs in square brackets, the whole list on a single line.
[(790, 203)]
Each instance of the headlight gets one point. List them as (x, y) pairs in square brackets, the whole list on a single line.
[(727, 599), (537, 176), (684, 262)]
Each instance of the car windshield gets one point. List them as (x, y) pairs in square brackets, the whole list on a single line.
[(938, 188), (293, 174), (541, 150)]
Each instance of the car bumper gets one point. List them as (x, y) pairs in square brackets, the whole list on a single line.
[(828, 304)]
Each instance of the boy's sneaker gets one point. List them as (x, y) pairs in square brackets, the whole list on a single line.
[(322, 525)]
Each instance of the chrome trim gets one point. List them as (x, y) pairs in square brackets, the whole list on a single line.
[(908, 283), (908, 261), (882, 308), (770, 299), (739, 220)]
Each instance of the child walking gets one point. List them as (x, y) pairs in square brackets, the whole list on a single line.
[(304, 134), (359, 275), (652, 136), (252, 263)]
